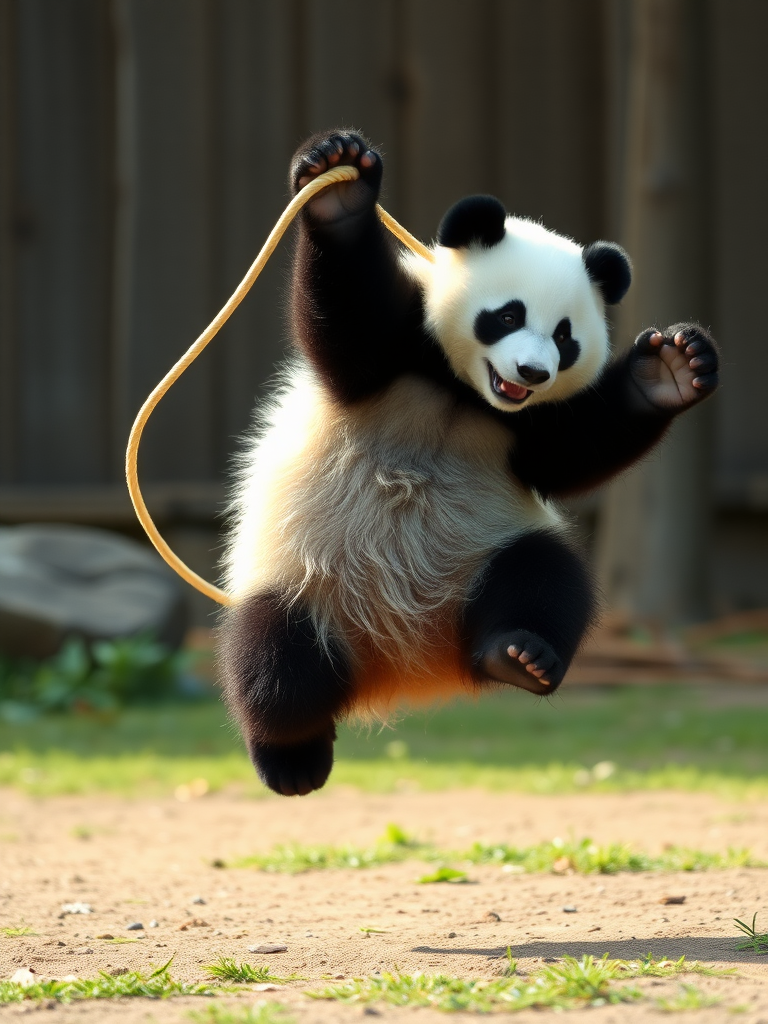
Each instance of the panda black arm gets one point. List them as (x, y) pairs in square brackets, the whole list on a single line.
[(572, 446), (355, 314)]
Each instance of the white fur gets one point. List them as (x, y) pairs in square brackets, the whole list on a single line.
[(378, 516), (540, 268)]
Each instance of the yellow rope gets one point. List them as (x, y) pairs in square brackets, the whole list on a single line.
[(322, 181)]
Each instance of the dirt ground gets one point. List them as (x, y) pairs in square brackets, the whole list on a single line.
[(149, 860)]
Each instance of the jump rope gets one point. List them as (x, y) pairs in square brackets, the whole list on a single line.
[(332, 177)]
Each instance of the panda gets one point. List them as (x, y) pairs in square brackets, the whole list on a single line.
[(395, 533)]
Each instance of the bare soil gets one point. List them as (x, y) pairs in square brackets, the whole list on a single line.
[(148, 860)]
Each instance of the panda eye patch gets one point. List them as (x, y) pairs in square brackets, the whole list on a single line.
[(491, 325), (569, 348)]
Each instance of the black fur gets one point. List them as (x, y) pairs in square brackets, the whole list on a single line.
[(610, 268), (537, 594), (491, 325), (569, 348), (476, 220), (285, 691)]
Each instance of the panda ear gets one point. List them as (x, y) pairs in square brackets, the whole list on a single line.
[(609, 268), (475, 220)]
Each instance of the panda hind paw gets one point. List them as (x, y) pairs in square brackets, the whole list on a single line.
[(523, 659), (297, 769)]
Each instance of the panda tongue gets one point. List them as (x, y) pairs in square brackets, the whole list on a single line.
[(515, 391)]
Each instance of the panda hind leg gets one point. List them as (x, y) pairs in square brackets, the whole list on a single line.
[(531, 610), (286, 689)]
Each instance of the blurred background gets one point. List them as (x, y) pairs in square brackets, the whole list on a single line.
[(143, 156)]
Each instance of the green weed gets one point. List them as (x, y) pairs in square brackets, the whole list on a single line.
[(688, 998), (568, 984), (267, 1013), (443, 874), (16, 933), (157, 985), (228, 969), (755, 941), (558, 856)]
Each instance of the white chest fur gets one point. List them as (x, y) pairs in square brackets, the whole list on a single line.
[(377, 517)]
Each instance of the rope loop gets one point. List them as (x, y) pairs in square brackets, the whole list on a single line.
[(332, 177)]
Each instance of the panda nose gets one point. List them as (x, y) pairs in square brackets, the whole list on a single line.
[(533, 374)]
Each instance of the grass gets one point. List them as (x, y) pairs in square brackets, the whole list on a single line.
[(688, 998), (11, 932), (755, 941), (600, 740), (227, 969), (557, 856), (157, 985), (568, 984), (267, 1013)]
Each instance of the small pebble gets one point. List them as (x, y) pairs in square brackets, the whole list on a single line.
[(118, 972), (83, 951), (570, 910), (154, 924), (197, 899), (370, 1011), (134, 926), (75, 908), (492, 916), (451, 935), (267, 986), (672, 900), (268, 948)]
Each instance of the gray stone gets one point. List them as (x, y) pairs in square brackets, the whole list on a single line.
[(57, 581)]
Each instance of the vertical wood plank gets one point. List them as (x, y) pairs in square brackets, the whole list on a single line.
[(63, 259), (168, 296), (740, 220), (8, 340), (256, 118)]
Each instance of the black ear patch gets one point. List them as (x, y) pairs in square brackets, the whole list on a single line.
[(475, 220), (609, 268)]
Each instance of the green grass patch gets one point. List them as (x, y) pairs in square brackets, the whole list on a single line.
[(11, 932), (557, 855), (755, 941), (268, 1013), (690, 997), (157, 985), (587, 739), (565, 985), (227, 969)]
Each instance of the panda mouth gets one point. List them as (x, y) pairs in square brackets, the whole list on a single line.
[(506, 389)]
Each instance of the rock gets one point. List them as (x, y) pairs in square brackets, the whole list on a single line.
[(134, 926), (75, 908), (83, 951), (56, 581), (492, 916), (198, 899), (451, 935), (672, 900), (25, 977), (118, 972), (268, 948), (154, 924), (570, 910)]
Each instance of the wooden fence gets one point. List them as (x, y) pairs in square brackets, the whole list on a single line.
[(143, 155)]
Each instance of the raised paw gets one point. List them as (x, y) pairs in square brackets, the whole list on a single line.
[(522, 659), (348, 198), (676, 368), (295, 770)]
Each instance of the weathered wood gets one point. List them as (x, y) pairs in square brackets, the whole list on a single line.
[(168, 268), (653, 545), (62, 271)]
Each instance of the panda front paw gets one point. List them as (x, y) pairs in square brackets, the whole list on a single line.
[(674, 369), (348, 198)]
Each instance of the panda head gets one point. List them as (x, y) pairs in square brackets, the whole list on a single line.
[(519, 311)]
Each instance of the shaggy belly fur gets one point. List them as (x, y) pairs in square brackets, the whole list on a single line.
[(379, 519)]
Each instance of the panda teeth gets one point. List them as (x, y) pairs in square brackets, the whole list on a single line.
[(498, 382)]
